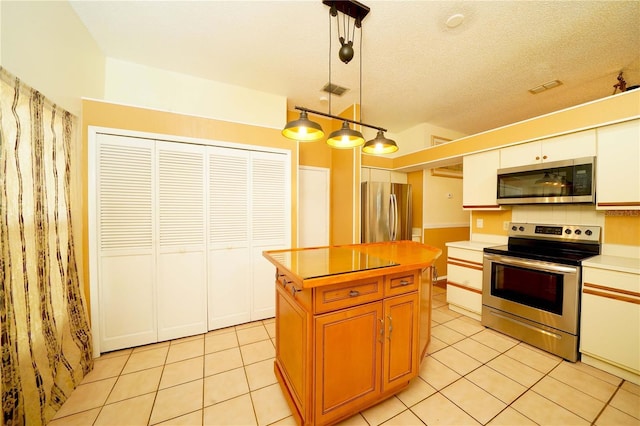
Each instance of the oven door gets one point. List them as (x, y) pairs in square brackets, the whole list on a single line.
[(543, 292)]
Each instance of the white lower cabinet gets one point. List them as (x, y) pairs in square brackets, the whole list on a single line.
[(179, 234), (464, 281), (610, 321)]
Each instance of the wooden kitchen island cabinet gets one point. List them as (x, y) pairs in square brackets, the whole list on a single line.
[(352, 324)]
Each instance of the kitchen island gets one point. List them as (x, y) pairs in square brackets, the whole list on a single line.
[(352, 324)]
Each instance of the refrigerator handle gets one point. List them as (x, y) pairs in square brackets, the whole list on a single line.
[(393, 217)]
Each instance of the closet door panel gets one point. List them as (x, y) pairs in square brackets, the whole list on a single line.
[(181, 260), (270, 225), (229, 253), (125, 247)]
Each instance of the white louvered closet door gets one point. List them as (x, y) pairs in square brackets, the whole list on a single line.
[(181, 235), (270, 225), (126, 252), (229, 240)]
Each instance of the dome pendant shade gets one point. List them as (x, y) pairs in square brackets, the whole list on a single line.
[(345, 137), (303, 129), (380, 145)]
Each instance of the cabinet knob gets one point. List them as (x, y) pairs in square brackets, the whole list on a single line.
[(544, 157), (537, 157)]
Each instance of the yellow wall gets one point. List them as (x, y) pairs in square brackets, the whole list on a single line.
[(102, 114), (623, 230), (438, 237), (493, 222), (417, 199), (606, 110)]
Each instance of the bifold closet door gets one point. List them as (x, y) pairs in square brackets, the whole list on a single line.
[(270, 225), (181, 285), (125, 242), (229, 239)]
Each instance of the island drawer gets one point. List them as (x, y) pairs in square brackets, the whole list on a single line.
[(344, 295), (401, 283)]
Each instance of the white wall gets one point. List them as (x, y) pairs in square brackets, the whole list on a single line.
[(46, 45), (139, 85), (419, 137), (440, 210)]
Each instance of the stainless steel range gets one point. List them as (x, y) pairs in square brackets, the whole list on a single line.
[(531, 287)]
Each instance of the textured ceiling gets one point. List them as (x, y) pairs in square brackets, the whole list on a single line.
[(414, 68)]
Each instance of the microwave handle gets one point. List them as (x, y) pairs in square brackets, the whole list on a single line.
[(531, 264)]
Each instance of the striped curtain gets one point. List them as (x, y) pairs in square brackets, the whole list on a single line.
[(44, 330)]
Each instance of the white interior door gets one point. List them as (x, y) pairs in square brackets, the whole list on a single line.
[(125, 248), (313, 207), (181, 235)]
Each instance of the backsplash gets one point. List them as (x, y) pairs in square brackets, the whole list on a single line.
[(620, 231)]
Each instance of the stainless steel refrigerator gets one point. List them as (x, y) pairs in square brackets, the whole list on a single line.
[(386, 212)]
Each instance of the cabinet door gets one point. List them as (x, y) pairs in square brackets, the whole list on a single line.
[(618, 166), (125, 247), (567, 147), (348, 354), (293, 349), (181, 260), (401, 319), (610, 317), (520, 155), (479, 185)]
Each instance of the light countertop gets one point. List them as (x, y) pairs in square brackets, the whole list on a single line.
[(471, 245), (614, 263), (312, 267)]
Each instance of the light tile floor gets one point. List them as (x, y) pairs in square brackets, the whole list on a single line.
[(471, 376)]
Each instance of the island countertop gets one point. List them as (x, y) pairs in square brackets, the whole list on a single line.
[(317, 266)]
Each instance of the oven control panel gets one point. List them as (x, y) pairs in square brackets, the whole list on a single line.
[(586, 233)]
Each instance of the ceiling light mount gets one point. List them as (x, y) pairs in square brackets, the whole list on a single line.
[(350, 9)]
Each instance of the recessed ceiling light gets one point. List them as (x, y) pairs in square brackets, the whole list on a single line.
[(455, 20)]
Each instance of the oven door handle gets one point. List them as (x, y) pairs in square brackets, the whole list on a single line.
[(532, 264)]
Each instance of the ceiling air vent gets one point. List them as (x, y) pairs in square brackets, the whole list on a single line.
[(334, 89)]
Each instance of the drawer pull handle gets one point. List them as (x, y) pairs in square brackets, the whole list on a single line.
[(354, 293), (404, 282), (294, 290)]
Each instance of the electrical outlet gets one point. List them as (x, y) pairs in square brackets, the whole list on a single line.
[(449, 195), (505, 225), (479, 223)]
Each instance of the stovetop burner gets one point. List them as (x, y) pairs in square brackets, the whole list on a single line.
[(567, 244)]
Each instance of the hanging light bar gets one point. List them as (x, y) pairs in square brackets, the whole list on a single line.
[(304, 129)]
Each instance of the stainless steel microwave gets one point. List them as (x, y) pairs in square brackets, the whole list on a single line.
[(568, 181)]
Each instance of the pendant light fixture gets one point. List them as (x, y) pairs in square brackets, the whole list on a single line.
[(380, 145), (304, 129)]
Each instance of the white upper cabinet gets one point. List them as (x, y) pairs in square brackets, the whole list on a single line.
[(618, 167), (479, 183), (565, 147)]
